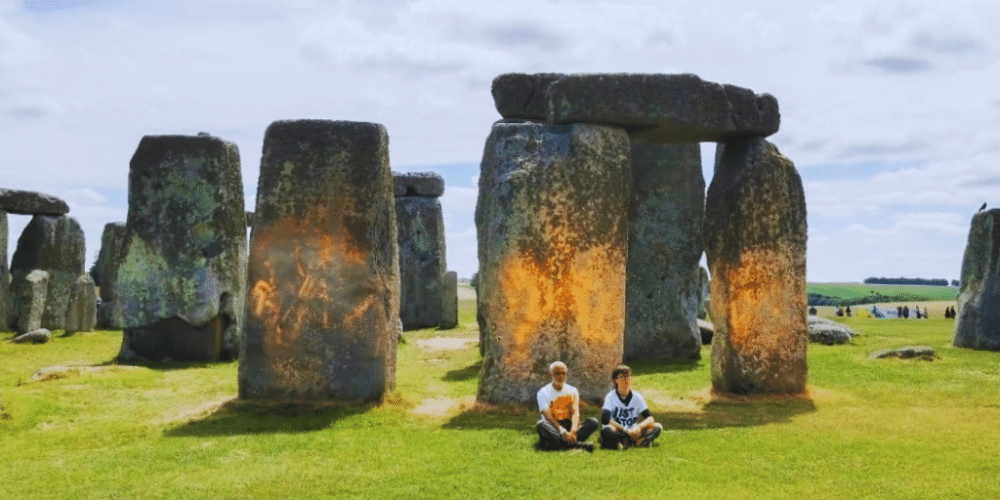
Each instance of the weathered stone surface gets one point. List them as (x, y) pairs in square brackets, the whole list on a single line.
[(828, 332), (520, 95), (39, 336), (449, 300), (108, 262), (755, 241), (81, 315), (54, 244), (4, 272), (909, 352), (663, 293), (323, 311), (420, 224), (552, 219), (31, 203), (663, 108), (978, 324), (181, 278), (34, 290), (427, 184)]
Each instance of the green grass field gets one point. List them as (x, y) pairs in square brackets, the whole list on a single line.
[(855, 290), (869, 429)]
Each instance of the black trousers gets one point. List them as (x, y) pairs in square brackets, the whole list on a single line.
[(551, 439)]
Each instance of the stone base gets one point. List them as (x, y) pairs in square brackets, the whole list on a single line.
[(178, 340)]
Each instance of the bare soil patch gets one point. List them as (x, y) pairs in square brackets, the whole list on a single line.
[(446, 343)]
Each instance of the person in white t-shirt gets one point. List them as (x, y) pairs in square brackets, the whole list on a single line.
[(560, 427), (626, 418)]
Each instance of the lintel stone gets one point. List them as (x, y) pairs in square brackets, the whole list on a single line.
[(652, 107), (427, 184)]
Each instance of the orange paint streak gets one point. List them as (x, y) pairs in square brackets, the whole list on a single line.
[(760, 295)]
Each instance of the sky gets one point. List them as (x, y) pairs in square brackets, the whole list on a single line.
[(889, 109)]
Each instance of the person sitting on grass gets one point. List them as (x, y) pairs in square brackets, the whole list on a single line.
[(625, 416), (559, 403)]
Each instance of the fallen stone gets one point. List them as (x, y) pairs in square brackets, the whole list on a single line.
[(828, 332), (81, 315), (108, 262), (181, 280), (707, 331), (39, 336), (663, 292), (33, 291), (919, 351), (755, 243), (978, 322), (323, 308), (31, 203), (552, 220), (427, 184), (56, 245), (449, 300)]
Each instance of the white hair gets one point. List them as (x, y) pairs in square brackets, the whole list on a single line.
[(554, 364)]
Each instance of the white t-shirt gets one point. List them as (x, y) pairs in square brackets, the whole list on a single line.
[(625, 413), (560, 403)]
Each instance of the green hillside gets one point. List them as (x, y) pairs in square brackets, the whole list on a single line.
[(861, 293)]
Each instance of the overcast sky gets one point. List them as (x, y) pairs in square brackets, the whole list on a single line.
[(889, 109)]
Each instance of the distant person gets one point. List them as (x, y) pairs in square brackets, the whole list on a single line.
[(906, 312), (840, 312), (848, 311), (625, 416), (559, 404), (812, 311), (916, 310), (926, 316), (899, 311)]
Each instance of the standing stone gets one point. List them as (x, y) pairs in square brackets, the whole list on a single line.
[(420, 225), (449, 300), (54, 244), (755, 241), (552, 219), (663, 294), (978, 324), (323, 311), (108, 262), (181, 278), (4, 272), (32, 301), (82, 312)]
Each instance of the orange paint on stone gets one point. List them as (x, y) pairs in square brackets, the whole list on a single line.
[(303, 297), (585, 297), (758, 301)]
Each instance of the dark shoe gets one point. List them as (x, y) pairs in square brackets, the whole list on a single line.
[(646, 440), (582, 445)]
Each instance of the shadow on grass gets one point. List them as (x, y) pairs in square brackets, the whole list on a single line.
[(164, 366), (237, 417), (463, 374), (715, 414)]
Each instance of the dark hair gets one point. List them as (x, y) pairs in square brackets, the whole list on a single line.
[(621, 370)]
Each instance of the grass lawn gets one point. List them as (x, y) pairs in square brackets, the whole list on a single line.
[(869, 429), (849, 291)]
